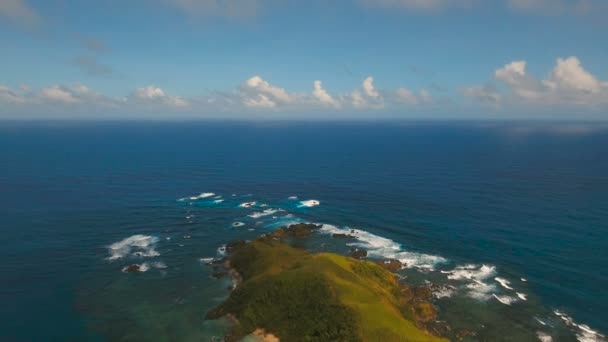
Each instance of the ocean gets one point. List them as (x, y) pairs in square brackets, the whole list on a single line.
[(508, 219)]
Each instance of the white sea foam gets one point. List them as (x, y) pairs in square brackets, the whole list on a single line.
[(472, 272), (309, 203), (247, 204), (221, 250), (238, 224), (141, 268), (506, 300), (522, 296), (266, 212), (543, 337), (158, 264), (218, 201), (197, 197), (292, 198), (524, 280), (218, 197), (444, 292), (475, 275), (583, 332), (206, 260), (504, 283), (143, 245), (385, 248)]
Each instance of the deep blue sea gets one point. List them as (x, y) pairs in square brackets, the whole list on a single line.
[(510, 220)]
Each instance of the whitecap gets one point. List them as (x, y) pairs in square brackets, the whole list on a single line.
[(206, 260), (201, 196), (309, 203), (444, 292), (266, 212), (522, 296), (140, 268), (218, 201), (524, 280), (472, 272), (158, 264), (506, 300), (144, 245), (504, 283), (238, 224), (385, 248), (583, 332), (480, 290), (292, 198), (247, 204), (221, 250)]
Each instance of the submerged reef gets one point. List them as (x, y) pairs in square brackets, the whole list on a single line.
[(290, 294)]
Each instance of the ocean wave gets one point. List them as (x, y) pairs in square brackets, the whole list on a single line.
[(217, 201), (522, 296), (504, 283), (385, 248), (247, 204), (238, 224), (583, 332), (266, 212), (200, 196), (309, 203), (506, 300), (143, 244), (292, 198), (475, 276)]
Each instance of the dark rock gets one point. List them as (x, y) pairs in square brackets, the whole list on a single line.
[(132, 268), (462, 334), (233, 245), (358, 253), (300, 230), (392, 265), (219, 274), (423, 293), (342, 236)]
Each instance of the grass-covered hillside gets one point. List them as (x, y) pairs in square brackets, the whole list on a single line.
[(298, 296)]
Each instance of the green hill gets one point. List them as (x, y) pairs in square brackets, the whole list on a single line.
[(299, 296)]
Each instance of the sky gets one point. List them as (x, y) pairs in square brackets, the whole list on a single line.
[(304, 59)]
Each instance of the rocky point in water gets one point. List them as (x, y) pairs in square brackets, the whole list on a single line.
[(289, 294)]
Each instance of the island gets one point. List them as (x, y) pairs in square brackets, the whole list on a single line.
[(286, 293)]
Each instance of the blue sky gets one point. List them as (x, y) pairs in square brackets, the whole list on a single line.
[(501, 59)]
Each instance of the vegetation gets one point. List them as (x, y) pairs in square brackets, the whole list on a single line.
[(299, 296)]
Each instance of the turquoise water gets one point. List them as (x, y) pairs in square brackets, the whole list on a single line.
[(509, 220)]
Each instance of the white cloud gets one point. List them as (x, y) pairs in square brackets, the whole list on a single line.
[(323, 97), (59, 94), (367, 97), (10, 96), (257, 92), (569, 83), (407, 96), (484, 94), (18, 11), (154, 95)]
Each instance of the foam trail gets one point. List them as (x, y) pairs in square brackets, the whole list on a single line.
[(309, 203), (266, 212), (201, 196), (385, 248), (247, 204), (506, 300), (583, 332), (504, 283), (144, 245)]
